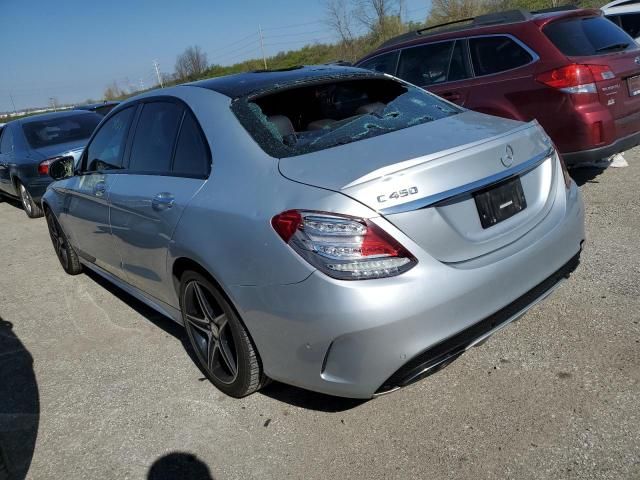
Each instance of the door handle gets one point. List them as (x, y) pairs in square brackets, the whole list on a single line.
[(99, 189), (162, 201), (452, 96)]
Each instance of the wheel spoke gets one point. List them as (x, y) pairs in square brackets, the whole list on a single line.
[(220, 321), (212, 346), (203, 303), (199, 323)]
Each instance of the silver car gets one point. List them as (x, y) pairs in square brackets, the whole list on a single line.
[(327, 227)]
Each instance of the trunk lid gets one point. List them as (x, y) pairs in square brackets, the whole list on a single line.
[(73, 149), (406, 175)]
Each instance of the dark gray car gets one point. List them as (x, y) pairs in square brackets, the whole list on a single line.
[(29, 145)]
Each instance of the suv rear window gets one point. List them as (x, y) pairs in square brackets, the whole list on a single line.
[(587, 36), (314, 117), (71, 128)]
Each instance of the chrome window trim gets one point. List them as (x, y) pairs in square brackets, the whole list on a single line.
[(470, 188), (534, 56)]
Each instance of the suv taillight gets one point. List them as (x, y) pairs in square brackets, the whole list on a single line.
[(576, 78), (343, 247)]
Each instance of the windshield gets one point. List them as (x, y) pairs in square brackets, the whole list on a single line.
[(587, 36), (315, 117), (54, 131)]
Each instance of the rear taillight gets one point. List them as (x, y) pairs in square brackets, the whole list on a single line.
[(43, 167), (576, 78), (341, 246), (565, 172)]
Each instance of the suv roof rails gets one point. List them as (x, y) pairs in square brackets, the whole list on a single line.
[(497, 18), (561, 8)]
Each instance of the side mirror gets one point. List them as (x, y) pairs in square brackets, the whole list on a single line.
[(61, 168)]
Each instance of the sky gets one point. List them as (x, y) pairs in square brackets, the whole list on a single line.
[(72, 49)]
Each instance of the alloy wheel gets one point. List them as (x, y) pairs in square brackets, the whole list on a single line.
[(26, 199), (211, 334), (59, 240)]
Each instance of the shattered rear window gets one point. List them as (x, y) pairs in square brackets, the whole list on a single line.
[(321, 115)]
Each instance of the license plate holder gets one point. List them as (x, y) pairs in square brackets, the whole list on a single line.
[(500, 201), (633, 85)]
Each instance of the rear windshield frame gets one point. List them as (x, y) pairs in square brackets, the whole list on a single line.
[(563, 47), (251, 117)]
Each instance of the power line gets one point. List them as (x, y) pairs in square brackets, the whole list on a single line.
[(283, 27), (297, 33)]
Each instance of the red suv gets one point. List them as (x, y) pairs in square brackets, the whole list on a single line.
[(574, 71)]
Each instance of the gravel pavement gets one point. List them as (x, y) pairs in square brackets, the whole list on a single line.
[(95, 385)]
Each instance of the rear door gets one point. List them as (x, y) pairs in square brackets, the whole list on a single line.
[(168, 163), (440, 67), (503, 69)]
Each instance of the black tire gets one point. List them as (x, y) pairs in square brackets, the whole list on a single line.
[(218, 337), (64, 251), (31, 208)]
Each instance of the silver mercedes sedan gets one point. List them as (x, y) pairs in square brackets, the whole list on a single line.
[(328, 227)]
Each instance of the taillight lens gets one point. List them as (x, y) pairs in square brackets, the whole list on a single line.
[(565, 172), (343, 247), (43, 167), (576, 78)]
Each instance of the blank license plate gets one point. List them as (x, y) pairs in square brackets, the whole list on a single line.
[(499, 202), (633, 83)]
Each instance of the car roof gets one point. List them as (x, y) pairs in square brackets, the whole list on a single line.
[(487, 21), (621, 6), (245, 84), (51, 115), (93, 106)]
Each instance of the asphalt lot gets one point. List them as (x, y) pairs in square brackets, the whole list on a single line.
[(555, 395)]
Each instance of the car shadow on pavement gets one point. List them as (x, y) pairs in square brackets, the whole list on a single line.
[(298, 397), (11, 201), (584, 175), (19, 405), (278, 391), (141, 308), (179, 466)]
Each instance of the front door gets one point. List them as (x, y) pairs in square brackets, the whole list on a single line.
[(168, 164), (6, 157), (85, 215)]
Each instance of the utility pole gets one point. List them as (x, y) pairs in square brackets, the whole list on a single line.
[(264, 58), (156, 66), (13, 103)]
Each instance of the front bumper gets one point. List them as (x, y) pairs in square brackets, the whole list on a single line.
[(350, 338)]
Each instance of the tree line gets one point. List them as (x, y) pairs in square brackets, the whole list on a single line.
[(360, 26)]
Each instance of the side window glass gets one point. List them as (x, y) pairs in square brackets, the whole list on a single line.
[(631, 24), (6, 141), (155, 136), (459, 66), (192, 154), (496, 54), (385, 63), (426, 65), (106, 149)]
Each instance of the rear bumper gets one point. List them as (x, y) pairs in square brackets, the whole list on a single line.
[(349, 338), (436, 357), (596, 154), (37, 187)]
